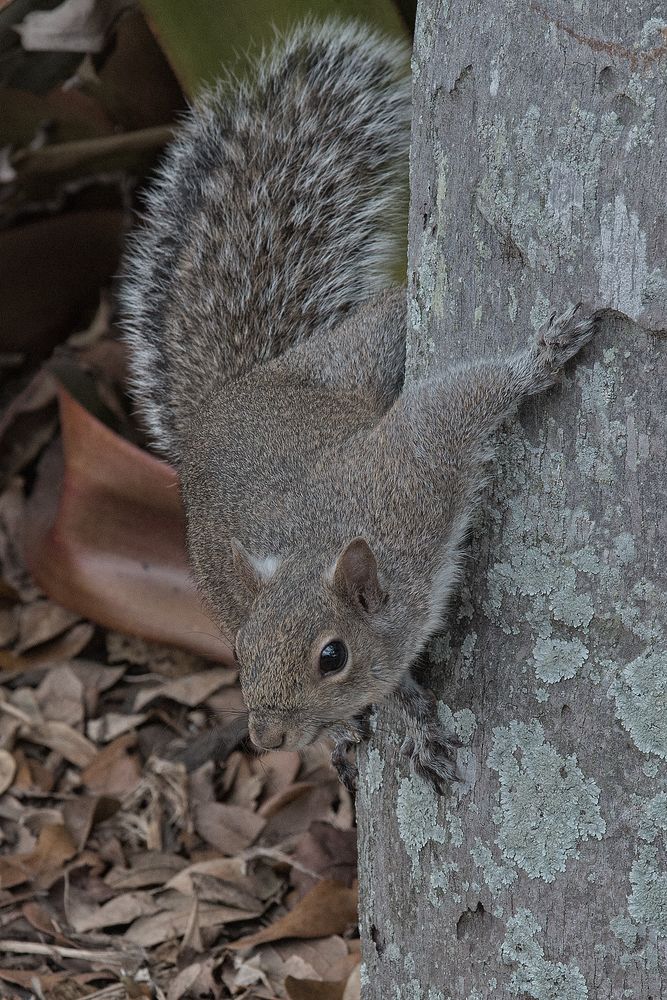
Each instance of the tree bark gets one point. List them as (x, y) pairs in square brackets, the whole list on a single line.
[(538, 178)]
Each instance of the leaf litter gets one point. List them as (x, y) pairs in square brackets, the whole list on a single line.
[(146, 852)]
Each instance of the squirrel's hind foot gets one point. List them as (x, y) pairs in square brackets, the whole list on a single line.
[(433, 758), (561, 337)]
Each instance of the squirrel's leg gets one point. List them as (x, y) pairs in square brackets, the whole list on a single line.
[(346, 737), (453, 414), (441, 429), (431, 751)]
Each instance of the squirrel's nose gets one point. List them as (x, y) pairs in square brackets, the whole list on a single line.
[(266, 736)]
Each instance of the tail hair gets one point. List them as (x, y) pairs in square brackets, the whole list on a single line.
[(273, 214)]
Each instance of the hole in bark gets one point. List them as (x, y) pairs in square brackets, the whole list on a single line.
[(565, 713), (472, 924), (606, 78), (377, 940)]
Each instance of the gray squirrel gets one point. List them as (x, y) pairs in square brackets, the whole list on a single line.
[(327, 499)]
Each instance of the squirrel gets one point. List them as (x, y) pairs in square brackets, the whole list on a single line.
[(327, 497)]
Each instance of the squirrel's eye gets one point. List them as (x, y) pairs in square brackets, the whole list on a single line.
[(333, 657)]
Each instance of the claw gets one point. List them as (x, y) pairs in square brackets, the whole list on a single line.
[(434, 759), (347, 771)]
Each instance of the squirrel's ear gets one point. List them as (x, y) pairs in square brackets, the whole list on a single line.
[(252, 572), (355, 575)]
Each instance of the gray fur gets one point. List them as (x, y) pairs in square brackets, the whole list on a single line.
[(324, 498), (271, 216)]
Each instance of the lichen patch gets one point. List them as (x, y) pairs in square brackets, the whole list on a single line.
[(546, 804)]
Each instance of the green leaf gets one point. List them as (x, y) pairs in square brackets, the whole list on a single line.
[(202, 36)]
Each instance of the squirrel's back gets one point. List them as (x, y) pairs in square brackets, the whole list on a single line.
[(272, 216)]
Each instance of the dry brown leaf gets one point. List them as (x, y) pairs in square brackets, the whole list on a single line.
[(226, 880), (60, 737), (81, 814), (279, 769), (9, 625), (190, 691), (172, 923), (12, 537), (312, 989), (114, 770), (328, 851), (148, 868), (353, 985), (327, 957), (54, 847), (291, 815), (74, 26), (60, 696), (229, 829), (42, 620), (195, 980), (108, 727), (7, 770), (123, 909), (65, 646), (329, 908), (82, 509)]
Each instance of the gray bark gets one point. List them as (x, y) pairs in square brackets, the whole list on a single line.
[(539, 177)]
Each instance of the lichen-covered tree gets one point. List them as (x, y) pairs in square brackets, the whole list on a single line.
[(539, 177)]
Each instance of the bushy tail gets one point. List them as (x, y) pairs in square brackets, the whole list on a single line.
[(272, 215)]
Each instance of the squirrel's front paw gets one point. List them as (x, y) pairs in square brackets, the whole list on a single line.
[(562, 336), (347, 770), (433, 757)]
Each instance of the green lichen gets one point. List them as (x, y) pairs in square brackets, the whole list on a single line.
[(546, 805), (558, 659), (417, 814), (455, 829), (496, 876), (624, 929), (621, 260), (624, 547), (647, 903), (641, 701), (535, 976), (374, 770), (465, 724)]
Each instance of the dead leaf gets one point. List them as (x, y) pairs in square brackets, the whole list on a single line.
[(63, 739), (82, 813), (329, 908), (114, 770), (290, 814), (7, 770), (41, 621), (172, 923), (328, 851), (231, 881), (69, 644), (312, 989), (112, 725), (191, 691), (123, 909), (60, 696), (107, 538), (229, 829), (148, 869), (353, 985), (67, 257), (54, 847), (74, 26)]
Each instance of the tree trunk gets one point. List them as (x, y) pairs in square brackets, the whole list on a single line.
[(539, 175)]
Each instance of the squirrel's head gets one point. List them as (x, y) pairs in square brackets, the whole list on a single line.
[(314, 652)]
